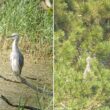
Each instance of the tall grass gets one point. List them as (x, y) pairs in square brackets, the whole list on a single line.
[(27, 18)]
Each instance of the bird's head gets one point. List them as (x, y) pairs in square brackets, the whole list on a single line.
[(15, 36)]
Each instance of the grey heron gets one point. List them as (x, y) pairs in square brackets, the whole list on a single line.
[(16, 57), (88, 65)]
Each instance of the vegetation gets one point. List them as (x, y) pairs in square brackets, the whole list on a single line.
[(27, 18), (82, 30), (40, 102), (35, 27)]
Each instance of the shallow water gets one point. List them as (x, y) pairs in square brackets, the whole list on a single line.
[(41, 71)]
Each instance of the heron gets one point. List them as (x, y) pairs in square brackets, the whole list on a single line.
[(16, 57), (88, 67)]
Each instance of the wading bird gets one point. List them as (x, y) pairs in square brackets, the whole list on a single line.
[(16, 56), (88, 65)]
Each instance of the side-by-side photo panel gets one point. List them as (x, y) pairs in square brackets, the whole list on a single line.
[(82, 53)]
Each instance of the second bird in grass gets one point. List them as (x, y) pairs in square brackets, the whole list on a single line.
[(16, 57)]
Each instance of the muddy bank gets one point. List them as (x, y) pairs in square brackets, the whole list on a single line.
[(41, 71)]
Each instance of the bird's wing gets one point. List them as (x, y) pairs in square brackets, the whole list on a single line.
[(21, 60)]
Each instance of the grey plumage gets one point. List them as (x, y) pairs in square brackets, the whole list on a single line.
[(16, 57)]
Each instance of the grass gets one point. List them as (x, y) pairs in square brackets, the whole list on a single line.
[(21, 103), (41, 102), (29, 20), (72, 92)]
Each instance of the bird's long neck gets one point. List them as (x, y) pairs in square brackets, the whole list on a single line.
[(15, 46)]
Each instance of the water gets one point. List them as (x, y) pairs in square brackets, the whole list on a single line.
[(41, 71)]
